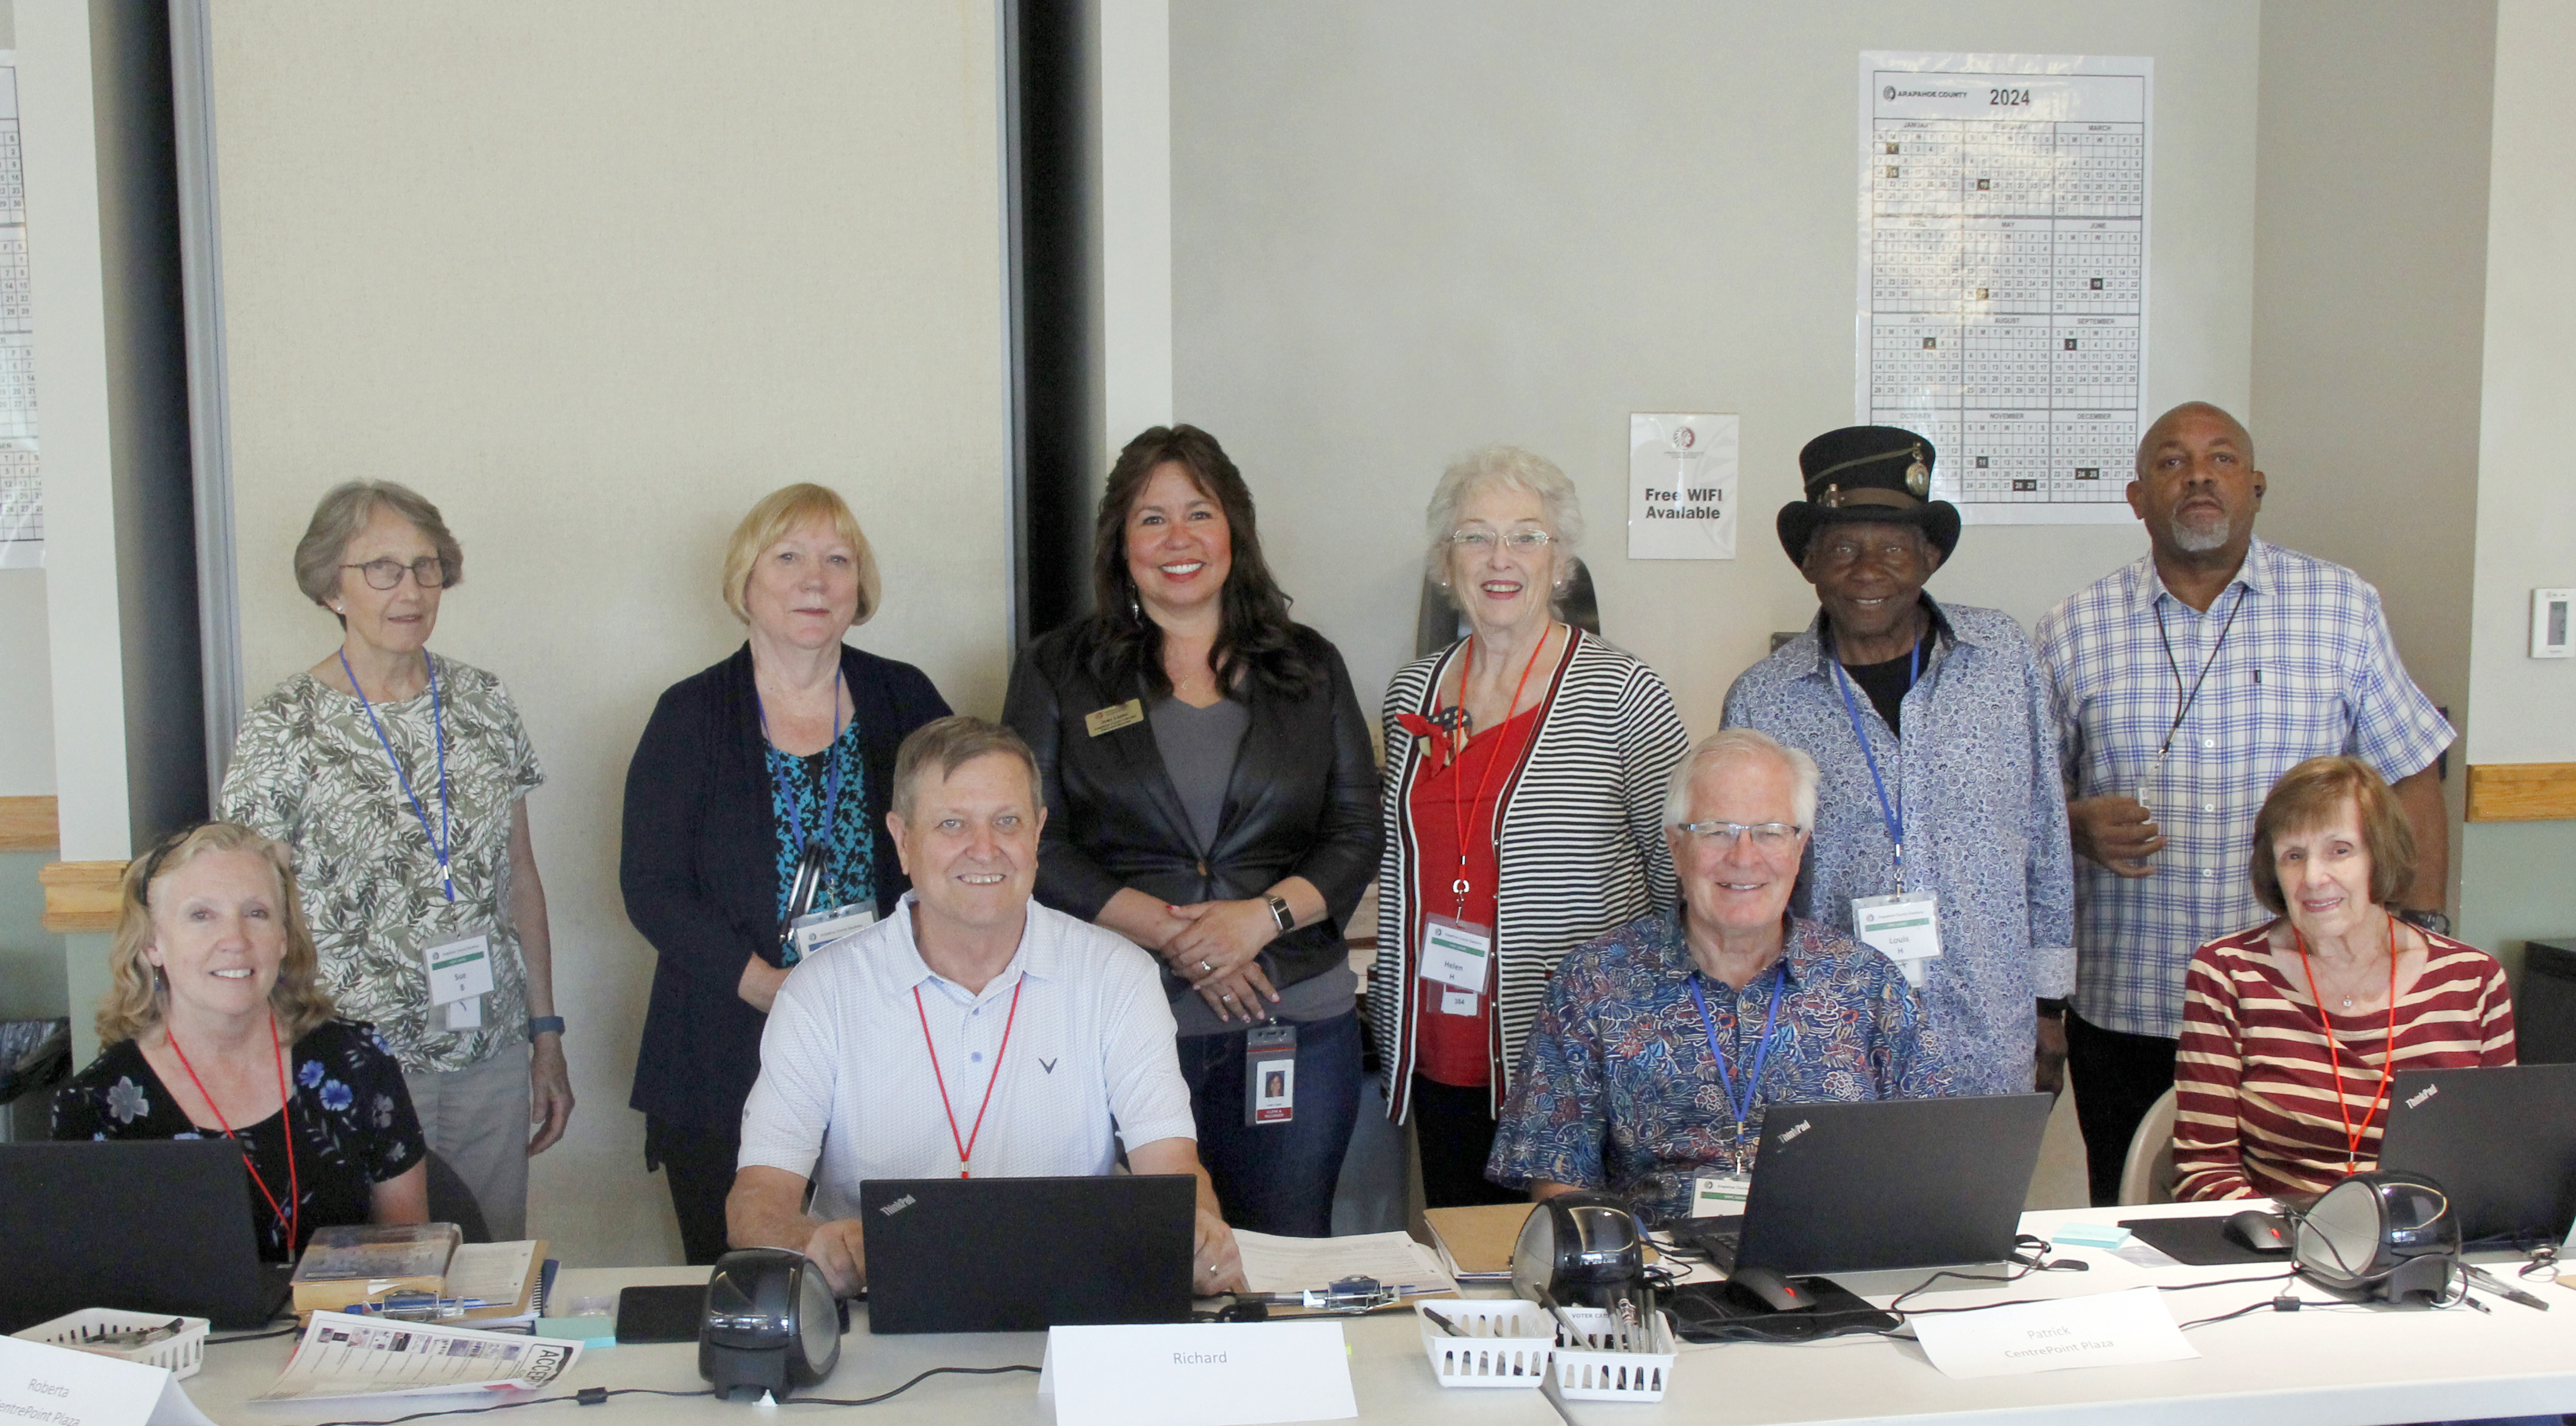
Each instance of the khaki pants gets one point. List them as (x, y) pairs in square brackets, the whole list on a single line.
[(476, 1118)]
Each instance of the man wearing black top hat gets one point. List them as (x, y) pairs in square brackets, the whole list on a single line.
[(1941, 833)]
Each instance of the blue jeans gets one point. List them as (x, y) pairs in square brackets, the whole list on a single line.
[(1277, 1178)]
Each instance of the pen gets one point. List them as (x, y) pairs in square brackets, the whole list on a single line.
[(2501, 1288), (1442, 1323)]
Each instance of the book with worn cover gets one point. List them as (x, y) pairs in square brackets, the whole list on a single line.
[(361, 1262)]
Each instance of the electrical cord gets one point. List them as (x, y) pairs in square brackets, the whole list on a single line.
[(254, 1336), (898, 1391), (595, 1395)]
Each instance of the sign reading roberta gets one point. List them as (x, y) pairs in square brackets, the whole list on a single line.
[(1681, 486)]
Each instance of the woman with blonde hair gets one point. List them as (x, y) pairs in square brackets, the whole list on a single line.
[(214, 1025), (755, 828)]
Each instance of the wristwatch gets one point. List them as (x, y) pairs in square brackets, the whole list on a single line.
[(2054, 1009), (2437, 922), (1280, 913), (540, 1024)]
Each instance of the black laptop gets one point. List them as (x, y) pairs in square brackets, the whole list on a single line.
[(2500, 1142), (1026, 1254), (1890, 1183), (146, 1225)]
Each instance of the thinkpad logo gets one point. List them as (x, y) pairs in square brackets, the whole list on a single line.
[(1795, 1130), (897, 1206), (2416, 1101)]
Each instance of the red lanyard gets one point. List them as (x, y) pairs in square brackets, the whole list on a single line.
[(292, 1215), (1458, 887), (2334, 1051), (966, 1146)]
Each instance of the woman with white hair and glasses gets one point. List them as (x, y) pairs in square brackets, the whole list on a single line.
[(399, 779), (1525, 773)]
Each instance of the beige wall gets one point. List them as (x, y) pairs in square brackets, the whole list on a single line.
[(1403, 230), (593, 285)]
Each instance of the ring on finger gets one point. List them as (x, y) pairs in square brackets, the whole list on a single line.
[(1211, 970)]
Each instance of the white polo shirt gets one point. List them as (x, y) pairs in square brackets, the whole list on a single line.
[(846, 1090)]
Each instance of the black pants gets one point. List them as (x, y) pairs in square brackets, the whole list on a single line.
[(699, 1164), (2117, 1077), (1453, 1131)]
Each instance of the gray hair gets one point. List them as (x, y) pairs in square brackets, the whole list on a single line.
[(1502, 468), (344, 512), (949, 743), (1732, 745)]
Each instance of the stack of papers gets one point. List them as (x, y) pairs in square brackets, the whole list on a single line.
[(1274, 1264), (344, 1355)]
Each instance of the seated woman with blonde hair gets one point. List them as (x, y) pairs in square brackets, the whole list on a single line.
[(214, 1025), (2293, 1031)]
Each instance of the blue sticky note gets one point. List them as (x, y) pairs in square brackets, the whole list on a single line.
[(2089, 1235), (589, 1331)]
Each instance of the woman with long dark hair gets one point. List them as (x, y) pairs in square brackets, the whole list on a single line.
[(1212, 796)]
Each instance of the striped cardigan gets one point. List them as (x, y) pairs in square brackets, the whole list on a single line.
[(2254, 1091), (1580, 832)]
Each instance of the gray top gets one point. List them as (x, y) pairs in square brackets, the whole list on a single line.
[(1199, 747)]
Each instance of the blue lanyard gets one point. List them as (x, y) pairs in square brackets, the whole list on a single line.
[(1893, 812), (832, 753), (439, 841), (1743, 1106)]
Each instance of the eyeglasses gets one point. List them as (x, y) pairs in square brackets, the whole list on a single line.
[(1481, 541), (1767, 836), (429, 570)]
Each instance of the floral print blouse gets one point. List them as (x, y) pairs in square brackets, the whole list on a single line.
[(353, 1126)]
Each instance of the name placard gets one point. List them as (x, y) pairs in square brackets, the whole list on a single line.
[(1198, 1374), (56, 1386), (2111, 1329)]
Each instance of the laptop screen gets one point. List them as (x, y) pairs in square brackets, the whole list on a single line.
[(146, 1225), (1025, 1254)]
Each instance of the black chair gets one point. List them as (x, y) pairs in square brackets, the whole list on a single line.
[(450, 1201)]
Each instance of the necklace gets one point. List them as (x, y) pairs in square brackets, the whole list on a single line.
[(290, 1216), (2352, 1136), (966, 1143), (1458, 886)]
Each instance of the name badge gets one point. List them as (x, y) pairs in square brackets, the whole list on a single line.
[(819, 930), (1719, 1196), (1115, 717), (1906, 929), (1270, 1074), (460, 975), (1456, 953)]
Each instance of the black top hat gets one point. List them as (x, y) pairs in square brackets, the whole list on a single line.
[(1879, 473)]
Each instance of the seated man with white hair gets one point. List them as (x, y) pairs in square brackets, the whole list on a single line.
[(1661, 1045)]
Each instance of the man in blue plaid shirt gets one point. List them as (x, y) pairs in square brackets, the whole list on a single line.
[(2184, 685)]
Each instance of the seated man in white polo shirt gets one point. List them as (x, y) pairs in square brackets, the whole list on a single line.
[(972, 1031)]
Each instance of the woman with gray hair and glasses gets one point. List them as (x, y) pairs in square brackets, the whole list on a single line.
[(1525, 774), (398, 778)]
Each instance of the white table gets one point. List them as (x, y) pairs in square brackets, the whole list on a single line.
[(2344, 1366), (1388, 1378)]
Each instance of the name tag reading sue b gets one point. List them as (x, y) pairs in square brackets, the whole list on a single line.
[(1905, 928), (460, 974), (1114, 717)]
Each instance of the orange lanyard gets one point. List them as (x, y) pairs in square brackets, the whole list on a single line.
[(290, 1217), (1458, 886), (2334, 1051), (966, 1146)]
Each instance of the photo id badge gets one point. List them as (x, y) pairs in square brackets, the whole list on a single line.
[(818, 929), (1905, 928), (1456, 953), (1719, 1196), (1270, 1074)]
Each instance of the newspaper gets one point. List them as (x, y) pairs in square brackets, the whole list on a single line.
[(342, 1355)]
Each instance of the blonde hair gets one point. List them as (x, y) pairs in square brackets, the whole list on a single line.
[(136, 1000), (783, 510)]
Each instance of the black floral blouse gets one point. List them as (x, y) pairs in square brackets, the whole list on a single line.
[(353, 1120)]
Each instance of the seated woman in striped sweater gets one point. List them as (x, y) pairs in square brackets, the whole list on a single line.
[(2293, 1031)]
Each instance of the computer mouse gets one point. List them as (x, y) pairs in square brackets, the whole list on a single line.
[(1773, 1290), (2260, 1231)]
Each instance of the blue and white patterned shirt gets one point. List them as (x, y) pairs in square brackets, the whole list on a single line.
[(1617, 1088), (2307, 669), (1984, 811)]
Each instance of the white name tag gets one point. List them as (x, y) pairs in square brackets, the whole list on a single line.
[(1458, 1002), (1455, 953), (818, 930), (1719, 1196), (458, 969), (1212, 1374), (1906, 929), (44, 1385), (2111, 1329)]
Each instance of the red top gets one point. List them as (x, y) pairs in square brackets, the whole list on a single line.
[(1457, 1050)]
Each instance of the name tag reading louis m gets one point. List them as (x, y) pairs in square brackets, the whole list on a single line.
[(1115, 717), (1906, 929), (459, 969)]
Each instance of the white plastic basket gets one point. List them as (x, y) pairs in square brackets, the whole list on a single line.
[(1509, 1343), (181, 1354)]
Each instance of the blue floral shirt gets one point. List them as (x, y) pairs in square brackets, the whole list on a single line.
[(353, 1126), (1975, 774), (850, 871), (1618, 1089)]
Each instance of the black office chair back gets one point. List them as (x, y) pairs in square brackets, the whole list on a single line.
[(1440, 624), (451, 1201)]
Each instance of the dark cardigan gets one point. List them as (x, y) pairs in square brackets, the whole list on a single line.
[(700, 874), (1303, 800)]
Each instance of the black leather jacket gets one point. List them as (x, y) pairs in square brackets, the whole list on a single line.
[(1303, 801)]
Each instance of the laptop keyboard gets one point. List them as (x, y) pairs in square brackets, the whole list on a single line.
[(1716, 1239)]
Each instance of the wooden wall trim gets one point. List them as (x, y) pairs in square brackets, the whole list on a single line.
[(2522, 792), (81, 896), (28, 824)]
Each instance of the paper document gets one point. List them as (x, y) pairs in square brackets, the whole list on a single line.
[(491, 1274), (1274, 1264), (342, 1355), (2111, 1329), (45, 1384)]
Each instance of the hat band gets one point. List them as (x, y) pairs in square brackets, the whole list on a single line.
[(1837, 498)]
